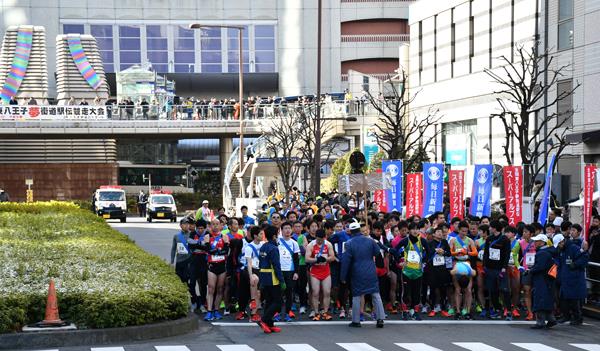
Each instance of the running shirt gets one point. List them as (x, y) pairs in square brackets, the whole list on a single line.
[(239, 235), (462, 248), (217, 249), (515, 249), (320, 270), (287, 249), (251, 254), (528, 252)]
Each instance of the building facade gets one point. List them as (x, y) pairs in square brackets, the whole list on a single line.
[(279, 37)]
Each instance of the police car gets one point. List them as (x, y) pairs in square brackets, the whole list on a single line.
[(110, 203), (161, 205)]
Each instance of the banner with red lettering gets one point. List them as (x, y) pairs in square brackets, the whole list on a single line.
[(456, 190), (379, 198), (588, 197), (513, 190), (414, 195)]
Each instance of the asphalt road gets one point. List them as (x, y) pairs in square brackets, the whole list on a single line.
[(428, 335)]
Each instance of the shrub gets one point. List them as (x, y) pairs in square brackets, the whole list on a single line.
[(102, 278)]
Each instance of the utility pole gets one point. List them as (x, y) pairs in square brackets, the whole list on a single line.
[(317, 170)]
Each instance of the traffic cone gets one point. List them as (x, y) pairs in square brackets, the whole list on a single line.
[(52, 316)]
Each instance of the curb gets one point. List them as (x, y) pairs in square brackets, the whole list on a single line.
[(99, 336)]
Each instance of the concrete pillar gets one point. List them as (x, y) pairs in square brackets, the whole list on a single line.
[(225, 151)]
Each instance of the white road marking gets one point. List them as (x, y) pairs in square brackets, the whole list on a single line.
[(588, 347), (297, 347), (476, 346), (172, 348), (394, 322), (107, 349), (417, 347), (359, 346), (532, 346), (235, 348)]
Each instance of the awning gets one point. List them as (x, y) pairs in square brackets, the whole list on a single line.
[(590, 136)]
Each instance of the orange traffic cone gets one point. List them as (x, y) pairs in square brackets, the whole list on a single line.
[(52, 317)]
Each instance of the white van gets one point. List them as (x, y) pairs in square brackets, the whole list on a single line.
[(161, 205), (110, 202)]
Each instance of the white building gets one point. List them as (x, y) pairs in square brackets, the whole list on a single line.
[(280, 39), (452, 43)]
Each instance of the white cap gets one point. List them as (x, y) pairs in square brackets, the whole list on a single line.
[(205, 202), (557, 221), (557, 239), (354, 225), (540, 237)]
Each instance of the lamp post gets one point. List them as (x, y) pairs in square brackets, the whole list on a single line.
[(241, 82)]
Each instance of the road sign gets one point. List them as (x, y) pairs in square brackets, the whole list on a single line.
[(356, 182)]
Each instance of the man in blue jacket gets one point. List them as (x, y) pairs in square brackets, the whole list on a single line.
[(542, 283), (573, 290), (358, 267), (270, 279)]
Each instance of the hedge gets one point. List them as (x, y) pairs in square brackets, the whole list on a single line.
[(102, 278)]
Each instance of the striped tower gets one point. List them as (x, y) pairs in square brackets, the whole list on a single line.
[(23, 66), (79, 70)]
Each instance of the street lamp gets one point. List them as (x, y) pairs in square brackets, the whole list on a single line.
[(241, 82)]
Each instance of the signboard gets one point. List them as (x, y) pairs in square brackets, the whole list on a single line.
[(456, 149), (433, 188), (393, 196), (414, 185), (456, 192), (370, 147), (356, 182), (513, 188), (28, 181), (588, 198), (482, 191), (52, 112)]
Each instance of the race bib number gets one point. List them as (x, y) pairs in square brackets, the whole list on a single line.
[(413, 257), (480, 255), (530, 259), (254, 262), (511, 260), (449, 262), (494, 254), (217, 258), (438, 260), (181, 250)]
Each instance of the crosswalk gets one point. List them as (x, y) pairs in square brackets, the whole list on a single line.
[(471, 346)]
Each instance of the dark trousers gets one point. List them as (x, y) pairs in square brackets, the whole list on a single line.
[(182, 269), (290, 283), (571, 309), (199, 275), (244, 290), (413, 290), (496, 283), (301, 285), (142, 210), (272, 296)]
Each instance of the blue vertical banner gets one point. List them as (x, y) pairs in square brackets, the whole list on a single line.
[(481, 194), (433, 188), (543, 217), (370, 147), (394, 196)]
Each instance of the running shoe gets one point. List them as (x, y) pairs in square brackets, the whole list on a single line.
[(431, 314), (209, 316), (226, 312), (193, 307), (388, 307), (478, 308), (316, 317), (294, 307), (505, 313), (451, 312), (255, 318), (252, 304), (483, 313), (515, 313), (275, 329), (425, 309), (464, 312), (217, 315), (312, 314), (394, 309), (342, 314), (277, 317), (240, 315), (418, 308), (203, 309), (493, 314), (417, 316), (302, 309), (405, 316), (292, 314), (264, 327), (404, 307), (326, 316), (529, 316), (222, 305), (444, 314), (437, 309), (287, 318)]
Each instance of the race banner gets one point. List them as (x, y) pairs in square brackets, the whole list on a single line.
[(393, 194), (481, 194), (380, 199), (414, 183), (588, 197), (52, 112), (546, 197), (513, 188), (433, 188), (456, 190)]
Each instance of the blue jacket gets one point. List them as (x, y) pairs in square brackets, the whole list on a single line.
[(269, 265), (358, 265), (337, 240), (572, 272), (542, 284)]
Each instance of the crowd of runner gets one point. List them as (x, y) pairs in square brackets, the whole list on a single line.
[(313, 256)]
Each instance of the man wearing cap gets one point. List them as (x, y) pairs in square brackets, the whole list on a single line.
[(181, 255), (204, 212), (542, 283), (358, 267)]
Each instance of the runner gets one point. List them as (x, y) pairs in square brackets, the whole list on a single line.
[(495, 262), (303, 241), (462, 275), (439, 277), (217, 247), (514, 271), (462, 247), (249, 276), (484, 232), (199, 265), (528, 251), (288, 255), (271, 280), (320, 253), (338, 291)]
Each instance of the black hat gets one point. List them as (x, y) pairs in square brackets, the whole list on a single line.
[(186, 220)]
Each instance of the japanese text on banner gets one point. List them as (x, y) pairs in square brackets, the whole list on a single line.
[(513, 188), (456, 189)]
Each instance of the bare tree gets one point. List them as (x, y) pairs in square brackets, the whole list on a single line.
[(399, 133), (282, 139), (525, 84)]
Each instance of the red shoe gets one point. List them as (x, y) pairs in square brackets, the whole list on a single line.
[(253, 304), (515, 313), (240, 315), (292, 315), (505, 314), (326, 316), (388, 307), (255, 318), (418, 308), (264, 327), (404, 307), (529, 316), (275, 329), (444, 314), (431, 314)]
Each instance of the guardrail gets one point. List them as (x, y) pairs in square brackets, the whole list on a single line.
[(373, 38)]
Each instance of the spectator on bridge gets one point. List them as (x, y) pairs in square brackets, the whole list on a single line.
[(145, 108), (97, 101), (83, 102), (13, 101), (71, 101), (32, 101)]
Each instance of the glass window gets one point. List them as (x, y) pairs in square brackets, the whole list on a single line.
[(104, 43), (109, 67), (184, 57), (211, 44), (73, 28), (565, 35), (265, 57), (131, 57), (264, 44), (155, 31), (234, 68), (211, 57), (104, 37), (235, 43), (101, 30), (189, 68), (211, 68), (565, 9), (161, 68), (129, 32), (184, 32), (107, 56), (211, 47), (129, 44), (262, 68), (157, 47), (186, 44), (157, 44), (158, 56), (564, 107), (264, 31)]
